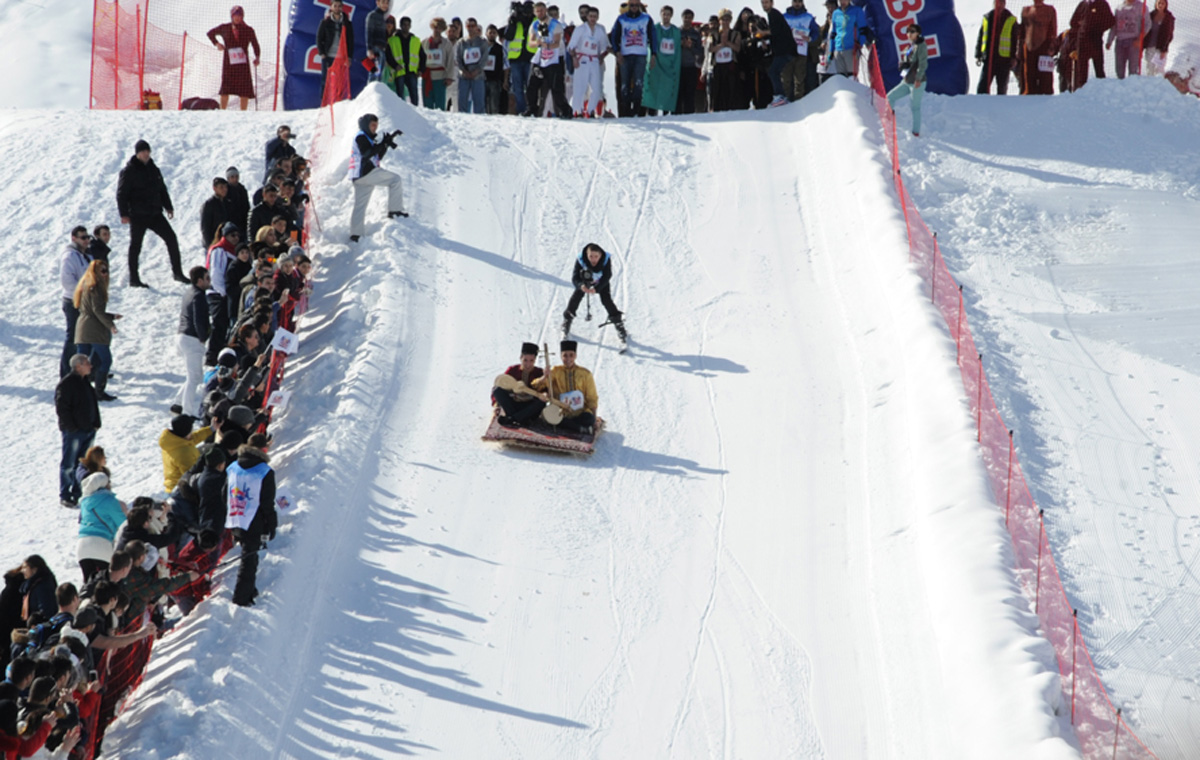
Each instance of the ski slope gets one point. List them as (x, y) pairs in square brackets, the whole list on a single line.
[(783, 546)]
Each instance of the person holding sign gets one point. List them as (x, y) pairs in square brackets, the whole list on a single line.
[(724, 46), (662, 81), (575, 388), (236, 40), (1040, 24), (914, 62), (589, 44), (472, 54), (520, 407)]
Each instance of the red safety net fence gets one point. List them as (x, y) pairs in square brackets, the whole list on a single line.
[(1101, 730), (158, 54)]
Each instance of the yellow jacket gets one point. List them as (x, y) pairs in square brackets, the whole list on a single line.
[(179, 454), (575, 379)]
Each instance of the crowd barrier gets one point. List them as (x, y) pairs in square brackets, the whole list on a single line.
[(1102, 731)]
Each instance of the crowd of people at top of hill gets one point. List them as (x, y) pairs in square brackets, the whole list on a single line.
[(1034, 47), (138, 559), (539, 63)]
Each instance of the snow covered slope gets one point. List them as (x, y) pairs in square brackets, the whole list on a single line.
[(783, 546), (1073, 225)]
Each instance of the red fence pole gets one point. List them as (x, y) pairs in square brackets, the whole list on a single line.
[(278, 34), (1037, 592), (137, 32), (117, 54), (142, 50), (979, 404), (1074, 649), (182, 68), (1008, 489), (1116, 733), (92, 69), (958, 330), (933, 255)]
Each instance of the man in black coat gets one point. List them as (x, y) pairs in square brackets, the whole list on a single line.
[(142, 198), (262, 214), (279, 146), (239, 202), (78, 420), (250, 501), (783, 49), (216, 211), (98, 246), (329, 39)]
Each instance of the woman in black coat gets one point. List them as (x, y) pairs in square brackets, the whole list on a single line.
[(37, 591)]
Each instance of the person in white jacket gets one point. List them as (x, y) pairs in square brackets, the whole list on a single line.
[(589, 44), (1133, 21)]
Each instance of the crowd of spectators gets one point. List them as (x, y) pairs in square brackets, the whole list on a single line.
[(74, 649), (540, 63)]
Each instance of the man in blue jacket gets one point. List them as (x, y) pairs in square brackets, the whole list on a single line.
[(849, 32)]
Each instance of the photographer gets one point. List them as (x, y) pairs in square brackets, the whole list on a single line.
[(520, 51), (365, 173)]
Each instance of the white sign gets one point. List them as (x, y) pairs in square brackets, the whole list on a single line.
[(285, 341), (283, 500), (279, 399)]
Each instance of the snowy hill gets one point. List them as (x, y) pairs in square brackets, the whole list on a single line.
[(783, 544)]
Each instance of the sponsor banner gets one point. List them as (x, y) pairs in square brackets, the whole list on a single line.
[(947, 73)]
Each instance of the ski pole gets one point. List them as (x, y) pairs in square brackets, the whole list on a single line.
[(588, 316)]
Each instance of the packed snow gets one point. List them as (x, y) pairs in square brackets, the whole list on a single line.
[(784, 545)]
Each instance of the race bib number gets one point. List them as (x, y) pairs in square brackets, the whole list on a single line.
[(1127, 25), (491, 63), (666, 47), (1045, 63), (548, 53), (435, 58), (724, 55), (634, 38), (573, 399), (800, 36), (590, 47), (237, 55), (472, 55)]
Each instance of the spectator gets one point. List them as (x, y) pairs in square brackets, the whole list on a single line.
[(494, 71), (753, 60), (783, 51), (547, 76), (216, 211), (661, 90), (240, 268), (1158, 39), (996, 48), (142, 198), (632, 37), (1039, 22), (143, 586), (691, 45), (96, 326), (410, 55), (78, 420), (795, 73), (92, 462), (100, 516), (438, 56), (194, 329), (179, 448), (365, 173), (1132, 22), (264, 212), (849, 31), (825, 66), (37, 591), (10, 612), (725, 45), (589, 44), (329, 41), (219, 258), (472, 58), (913, 66), (250, 500), (105, 595), (454, 34), (236, 38), (72, 264), (378, 51), (1089, 22), (267, 246), (520, 52), (98, 246), (239, 201)]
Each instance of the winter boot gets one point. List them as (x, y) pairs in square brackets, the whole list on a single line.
[(624, 336), (568, 317)]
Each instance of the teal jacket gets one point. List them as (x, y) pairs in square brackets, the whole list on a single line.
[(100, 515)]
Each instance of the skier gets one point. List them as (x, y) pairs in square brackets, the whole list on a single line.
[(593, 272), (365, 173)]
